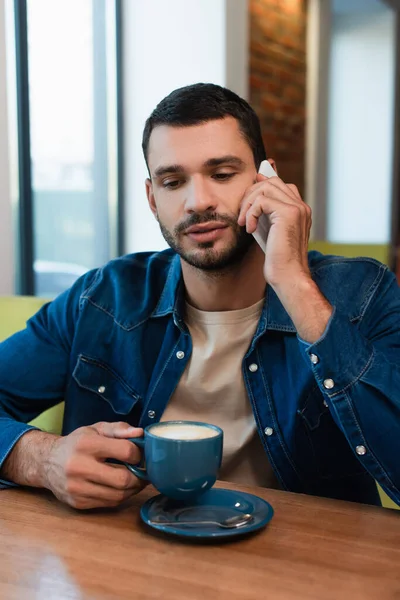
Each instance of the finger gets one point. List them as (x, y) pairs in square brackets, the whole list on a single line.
[(117, 430), (269, 206), (108, 494), (107, 474), (286, 188), (261, 177), (103, 447), (96, 496), (269, 191), (115, 476), (252, 216), (253, 188), (248, 199), (295, 190)]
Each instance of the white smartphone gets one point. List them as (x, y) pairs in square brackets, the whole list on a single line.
[(261, 233)]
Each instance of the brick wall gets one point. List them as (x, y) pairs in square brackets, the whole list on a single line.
[(278, 81)]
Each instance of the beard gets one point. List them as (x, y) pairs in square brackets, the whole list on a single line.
[(204, 256)]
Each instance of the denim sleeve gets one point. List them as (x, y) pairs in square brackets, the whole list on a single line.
[(356, 364), (34, 365)]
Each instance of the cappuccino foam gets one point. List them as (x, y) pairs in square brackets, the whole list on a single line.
[(178, 431)]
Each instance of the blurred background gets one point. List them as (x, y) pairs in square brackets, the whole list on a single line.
[(78, 78)]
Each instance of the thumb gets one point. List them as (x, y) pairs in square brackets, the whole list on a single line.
[(119, 430)]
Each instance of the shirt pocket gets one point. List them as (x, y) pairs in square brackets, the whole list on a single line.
[(99, 378)]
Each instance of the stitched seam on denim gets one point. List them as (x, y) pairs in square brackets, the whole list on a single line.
[(381, 271), (364, 441), (86, 291), (366, 367), (272, 411), (97, 363), (278, 327), (161, 374), (324, 410), (131, 328), (257, 417), (15, 440), (373, 289), (164, 291), (342, 259)]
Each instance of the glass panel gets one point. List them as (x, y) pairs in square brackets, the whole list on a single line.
[(361, 121), (13, 132), (69, 59)]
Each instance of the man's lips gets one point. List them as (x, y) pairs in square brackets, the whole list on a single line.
[(206, 232), (205, 227)]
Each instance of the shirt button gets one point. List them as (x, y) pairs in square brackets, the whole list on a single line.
[(314, 359), (329, 384), (361, 450), (268, 431), (180, 354), (151, 414), (325, 404), (253, 367), (101, 389)]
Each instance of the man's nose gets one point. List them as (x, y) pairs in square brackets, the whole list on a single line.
[(199, 197)]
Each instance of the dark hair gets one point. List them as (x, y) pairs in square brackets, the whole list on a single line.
[(202, 102)]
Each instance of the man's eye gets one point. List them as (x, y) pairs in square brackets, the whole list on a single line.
[(171, 184), (223, 176)]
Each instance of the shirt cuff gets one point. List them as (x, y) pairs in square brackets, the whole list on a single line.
[(340, 356), (12, 431)]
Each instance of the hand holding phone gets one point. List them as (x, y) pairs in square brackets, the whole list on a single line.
[(261, 233)]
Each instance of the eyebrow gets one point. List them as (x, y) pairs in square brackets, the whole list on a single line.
[(229, 159), (160, 171)]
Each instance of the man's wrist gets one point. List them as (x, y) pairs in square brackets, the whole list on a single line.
[(27, 461), (304, 302)]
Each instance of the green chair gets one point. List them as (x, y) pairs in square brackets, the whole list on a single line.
[(380, 252), (14, 312)]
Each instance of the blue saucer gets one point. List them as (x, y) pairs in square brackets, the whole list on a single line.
[(214, 505)]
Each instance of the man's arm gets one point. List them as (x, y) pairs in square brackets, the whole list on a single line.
[(356, 365), (74, 467), (26, 464), (357, 368), (308, 308), (34, 366)]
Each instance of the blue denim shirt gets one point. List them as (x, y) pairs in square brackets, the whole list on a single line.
[(115, 345)]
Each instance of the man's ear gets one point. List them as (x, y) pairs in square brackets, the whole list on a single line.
[(273, 165), (150, 197)]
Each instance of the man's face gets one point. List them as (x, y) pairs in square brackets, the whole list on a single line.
[(199, 175)]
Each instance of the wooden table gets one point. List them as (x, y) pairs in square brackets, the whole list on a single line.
[(313, 549)]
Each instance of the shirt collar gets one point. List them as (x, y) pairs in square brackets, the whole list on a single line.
[(172, 300)]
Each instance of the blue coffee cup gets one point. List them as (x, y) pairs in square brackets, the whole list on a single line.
[(182, 458)]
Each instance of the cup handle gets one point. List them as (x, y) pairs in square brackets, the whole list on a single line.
[(139, 472)]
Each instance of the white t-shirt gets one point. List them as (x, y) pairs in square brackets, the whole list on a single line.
[(212, 390)]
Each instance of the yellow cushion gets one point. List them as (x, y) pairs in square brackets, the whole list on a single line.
[(380, 252), (14, 312), (386, 501)]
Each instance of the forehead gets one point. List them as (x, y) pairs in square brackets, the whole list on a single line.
[(193, 145)]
